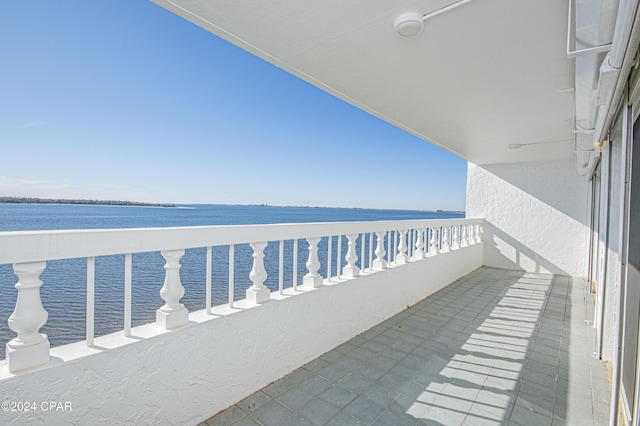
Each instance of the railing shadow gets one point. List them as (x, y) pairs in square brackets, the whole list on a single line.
[(504, 251), (493, 350)]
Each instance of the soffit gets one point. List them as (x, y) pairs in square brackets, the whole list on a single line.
[(481, 77)]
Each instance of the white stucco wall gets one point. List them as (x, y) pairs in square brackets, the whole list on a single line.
[(536, 215), (187, 375)]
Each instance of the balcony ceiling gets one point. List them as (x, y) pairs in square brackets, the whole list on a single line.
[(480, 77)]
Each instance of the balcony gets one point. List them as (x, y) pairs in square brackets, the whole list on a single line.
[(495, 347), (385, 323)]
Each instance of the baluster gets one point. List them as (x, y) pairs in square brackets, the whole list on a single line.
[(329, 251), (339, 257), (91, 292), (474, 228), (480, 232), (410, 244), (419, 253), (380, 264), (128, 275), (281, 267), (295, 265), (402, 248), (393, 252), (464, 241), (258, 293), (313, 279), (433, 243), (207, 283), (232, 274), (30, 348), (455, 236), (362, 252), (445, 239), (173, 314), (370, 251), (351, 270)]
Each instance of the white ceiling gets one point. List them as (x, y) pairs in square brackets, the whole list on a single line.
[(480, 77)]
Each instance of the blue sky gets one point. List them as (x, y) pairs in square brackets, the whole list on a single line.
[(120, 99)]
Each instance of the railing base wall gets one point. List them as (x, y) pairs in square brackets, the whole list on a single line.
[(187, 375)]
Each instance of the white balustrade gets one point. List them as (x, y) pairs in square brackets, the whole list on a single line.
[(401, 257), (351, 270), (313, 279), (258, 293), (419, 253), (29, 348), (379, 263), (173, 314)]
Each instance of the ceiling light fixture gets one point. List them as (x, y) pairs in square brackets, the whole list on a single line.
[(408, 24)]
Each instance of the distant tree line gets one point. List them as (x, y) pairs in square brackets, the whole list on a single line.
[(33, 200)]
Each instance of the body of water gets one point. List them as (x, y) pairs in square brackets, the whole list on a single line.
[(64, 289)]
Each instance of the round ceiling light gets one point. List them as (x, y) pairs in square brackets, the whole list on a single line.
[(408, 24)]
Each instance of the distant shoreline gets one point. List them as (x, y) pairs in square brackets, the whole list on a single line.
[(33, 200), (340, 208)]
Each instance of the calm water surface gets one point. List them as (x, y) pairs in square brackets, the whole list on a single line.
[(64, 289)]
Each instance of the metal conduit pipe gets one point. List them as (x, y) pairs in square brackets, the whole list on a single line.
[(579, 52), (617, 63), (445, 9), (410, 24), (624, 24)]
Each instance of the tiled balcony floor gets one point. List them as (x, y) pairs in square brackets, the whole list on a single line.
[(496, 347)]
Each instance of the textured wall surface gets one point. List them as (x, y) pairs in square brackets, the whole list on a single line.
[(186, 375), (536, 215)]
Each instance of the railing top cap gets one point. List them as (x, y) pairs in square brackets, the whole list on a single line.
[(391, 224), (28, 246)]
